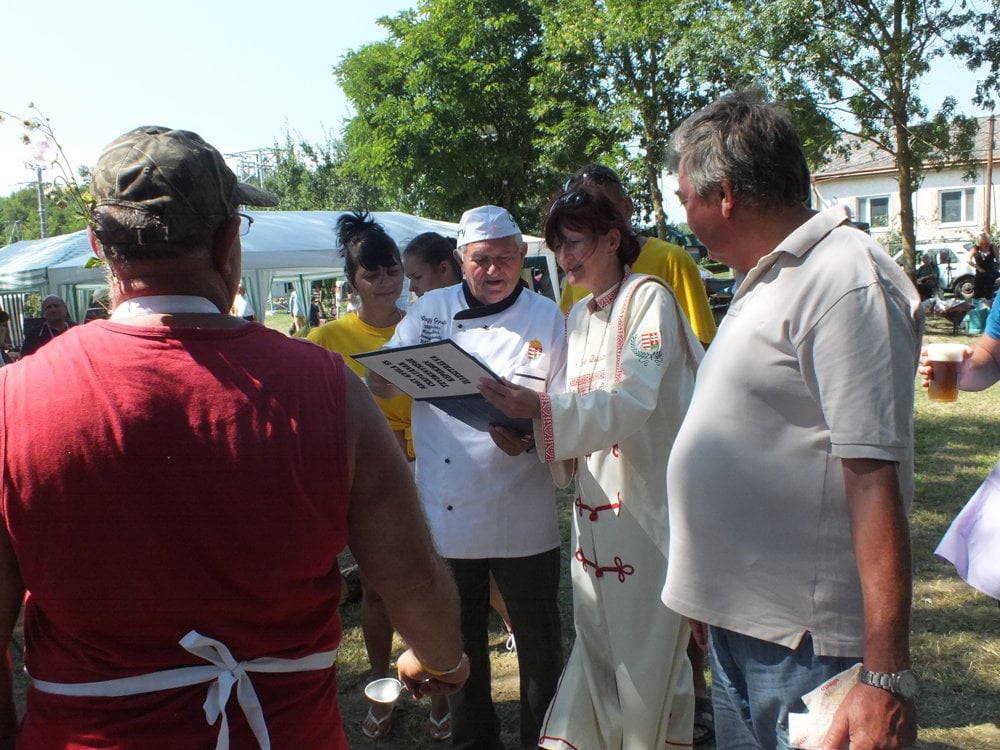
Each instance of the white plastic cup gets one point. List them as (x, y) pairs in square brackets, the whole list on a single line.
[(946, 361), (385, 690)]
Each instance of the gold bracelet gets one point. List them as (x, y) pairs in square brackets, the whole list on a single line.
[(439, 673)]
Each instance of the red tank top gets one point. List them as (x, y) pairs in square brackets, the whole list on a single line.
[(156, 482)]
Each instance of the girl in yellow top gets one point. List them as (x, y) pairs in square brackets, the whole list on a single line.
[(373, 267)]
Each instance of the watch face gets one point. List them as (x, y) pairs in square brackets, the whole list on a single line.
[(906, 684)]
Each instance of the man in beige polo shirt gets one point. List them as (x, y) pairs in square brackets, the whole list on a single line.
[(791, 477)]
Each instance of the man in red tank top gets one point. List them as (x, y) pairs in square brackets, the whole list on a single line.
[(172, 512)]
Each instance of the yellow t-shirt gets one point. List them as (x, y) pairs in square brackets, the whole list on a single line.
[(351, 335), (672, 264)]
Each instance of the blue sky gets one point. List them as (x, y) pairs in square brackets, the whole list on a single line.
[(234, 72), (238, 73)]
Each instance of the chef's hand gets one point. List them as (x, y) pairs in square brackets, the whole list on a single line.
[(510, 442)]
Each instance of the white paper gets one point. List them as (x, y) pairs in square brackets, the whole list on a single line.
[(440, 368), (446, 376), (807, 730)]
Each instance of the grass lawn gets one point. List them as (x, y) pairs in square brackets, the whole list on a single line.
[(955, 630)]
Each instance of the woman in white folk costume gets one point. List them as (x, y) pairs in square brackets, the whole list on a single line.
[(630, 373)]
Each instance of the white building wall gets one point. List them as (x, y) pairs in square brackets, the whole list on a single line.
[(926, 203), (848, 190)]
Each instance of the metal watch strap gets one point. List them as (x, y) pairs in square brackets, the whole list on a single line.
[(876, 679), (901, 683)]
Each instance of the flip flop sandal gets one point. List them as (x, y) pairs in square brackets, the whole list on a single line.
[(440, 729), (704, 720), (382, 726)]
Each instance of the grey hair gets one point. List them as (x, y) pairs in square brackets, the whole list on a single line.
[(115, 226), (748, 142)]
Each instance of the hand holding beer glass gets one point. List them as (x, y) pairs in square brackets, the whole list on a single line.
[(940, 365)]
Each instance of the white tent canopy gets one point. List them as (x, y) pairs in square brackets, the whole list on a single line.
[(292, 246)]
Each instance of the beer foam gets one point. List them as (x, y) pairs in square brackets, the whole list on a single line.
[(946, 352)]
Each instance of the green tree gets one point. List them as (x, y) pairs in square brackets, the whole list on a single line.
[(313, 177), (444, 108), (20, 220), (860, 61), (979, 46), (628, 72)]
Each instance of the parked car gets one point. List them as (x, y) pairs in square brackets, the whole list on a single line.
[(954, 274), (689, 242)]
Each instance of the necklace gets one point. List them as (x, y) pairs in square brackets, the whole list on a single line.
[(584, 383), (396, 313)]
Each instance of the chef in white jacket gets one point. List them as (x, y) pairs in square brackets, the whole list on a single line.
[(489, 500)]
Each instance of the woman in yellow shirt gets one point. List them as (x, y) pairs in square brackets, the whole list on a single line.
[(374, 268)]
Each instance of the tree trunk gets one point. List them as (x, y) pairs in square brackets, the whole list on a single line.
[(653, 183), (904, 160), (652, 165)]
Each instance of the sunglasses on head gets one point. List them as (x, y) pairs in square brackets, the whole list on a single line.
[(599, 174), (570, 200)]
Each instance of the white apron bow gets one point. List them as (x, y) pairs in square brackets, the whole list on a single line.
[(223, 672)]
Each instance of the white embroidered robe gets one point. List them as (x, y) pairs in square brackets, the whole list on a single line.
[(630, 374)]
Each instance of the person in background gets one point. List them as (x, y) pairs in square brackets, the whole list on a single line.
[(172, 513), (972, 541), (242, 306), (983, 258), (630, 373), (489, 501), (55, 323), (353, 301), (4, 338), (297, 312), (792, 475), (429, 263), (664, 260), (316, 312), (927, 277), (373, 267)]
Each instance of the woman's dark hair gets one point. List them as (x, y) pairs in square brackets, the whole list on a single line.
[(588, 210), (433, 249), (365, 244)]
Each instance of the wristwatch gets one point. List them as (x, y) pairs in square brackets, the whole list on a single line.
[(902, 683)]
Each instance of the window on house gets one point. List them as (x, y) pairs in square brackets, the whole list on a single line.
[(958, 206), (874, 210)]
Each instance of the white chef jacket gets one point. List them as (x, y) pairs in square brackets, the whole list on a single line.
[(480, 502)]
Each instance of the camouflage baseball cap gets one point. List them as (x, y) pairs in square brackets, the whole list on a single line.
[(172, 177)]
